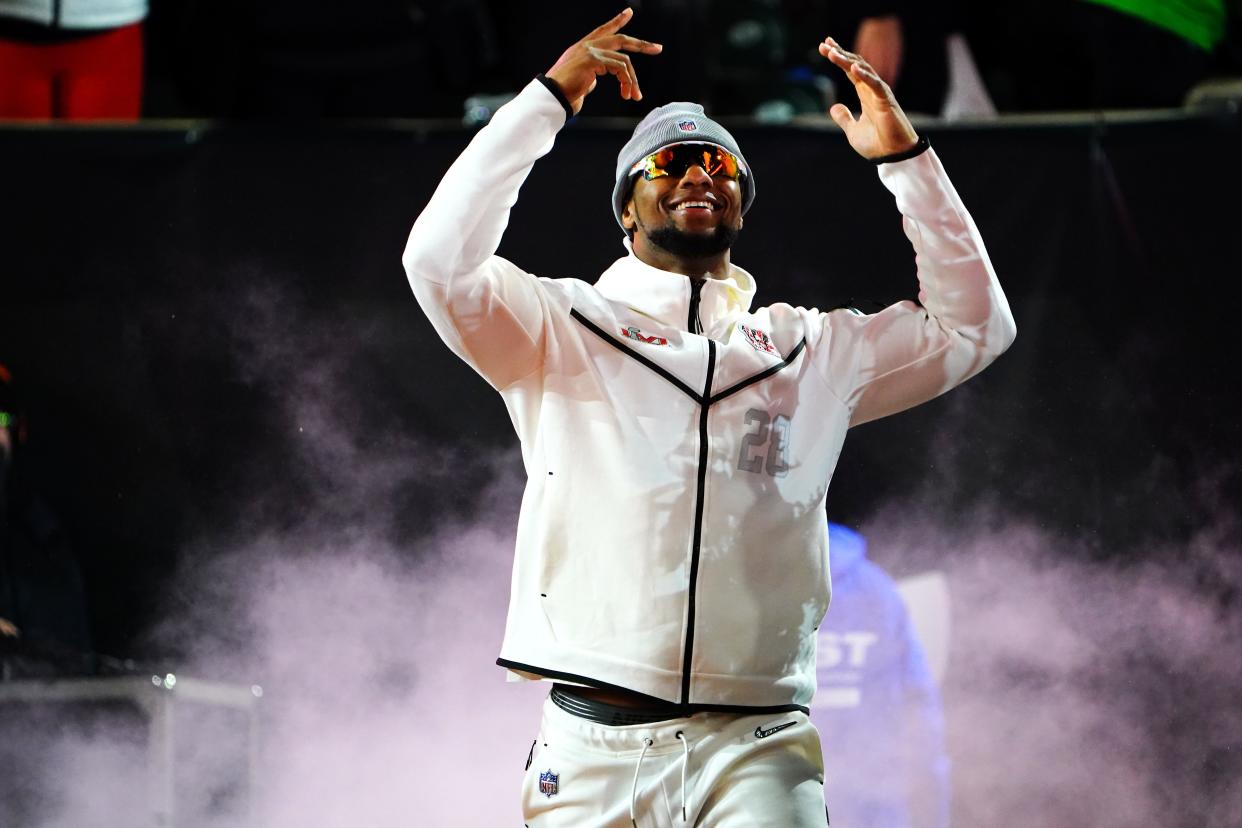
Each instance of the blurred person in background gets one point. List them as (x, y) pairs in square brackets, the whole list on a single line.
[(905, 42), (756, 65), (45, 630), (877, 707), (71, 59)]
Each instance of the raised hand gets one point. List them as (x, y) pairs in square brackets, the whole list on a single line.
[(881, 128), (602, 52)]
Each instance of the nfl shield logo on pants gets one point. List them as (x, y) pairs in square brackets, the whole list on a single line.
[(549, 783)]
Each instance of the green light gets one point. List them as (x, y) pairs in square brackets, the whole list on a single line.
[(6, 419)]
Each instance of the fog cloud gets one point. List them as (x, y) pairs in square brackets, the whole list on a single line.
[(1083, 689)]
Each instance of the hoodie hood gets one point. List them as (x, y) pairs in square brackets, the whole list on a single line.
[(845, 549), (665, 296)]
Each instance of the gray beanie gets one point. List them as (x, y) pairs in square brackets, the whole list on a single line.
[(674, 123)]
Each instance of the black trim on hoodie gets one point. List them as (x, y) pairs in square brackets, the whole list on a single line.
[(762, 375), (922, 146), (696, 544), (558, 93), (598, 331), (686, 709)]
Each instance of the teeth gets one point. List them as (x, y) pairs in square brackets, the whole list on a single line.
[(686, 204)]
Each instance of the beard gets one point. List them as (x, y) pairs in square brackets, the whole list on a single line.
[(693, 245)]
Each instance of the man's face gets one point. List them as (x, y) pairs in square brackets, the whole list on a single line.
[(694, 214)]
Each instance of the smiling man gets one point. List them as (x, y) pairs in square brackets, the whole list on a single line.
[(672, 554), (686, 214)]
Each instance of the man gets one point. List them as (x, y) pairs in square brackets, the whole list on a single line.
[(671, 563)]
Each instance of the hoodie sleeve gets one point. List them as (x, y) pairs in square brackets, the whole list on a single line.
[(488, 311), (908, 353)]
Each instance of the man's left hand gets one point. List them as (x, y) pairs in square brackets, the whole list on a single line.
[(881, 128)]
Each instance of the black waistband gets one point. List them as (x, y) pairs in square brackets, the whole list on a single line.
[(584, 707)]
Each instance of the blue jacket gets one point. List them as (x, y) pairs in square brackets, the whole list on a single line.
[(877, 708)]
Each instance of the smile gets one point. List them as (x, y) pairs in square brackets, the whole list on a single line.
[(695, 205)]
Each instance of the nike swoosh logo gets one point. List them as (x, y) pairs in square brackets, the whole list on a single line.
[(760, 733)]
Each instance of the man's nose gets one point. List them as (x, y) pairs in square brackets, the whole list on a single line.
[(696, 175)]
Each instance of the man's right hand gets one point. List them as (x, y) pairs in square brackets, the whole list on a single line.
[(602, 52)]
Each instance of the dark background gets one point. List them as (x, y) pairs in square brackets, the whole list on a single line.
[(147, 269), (315, 59)]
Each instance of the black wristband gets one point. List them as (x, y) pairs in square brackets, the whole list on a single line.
[(555, 89), (918, 149)]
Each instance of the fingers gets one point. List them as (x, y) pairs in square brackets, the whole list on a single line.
[(635, 93), (601, 52), (855, 68), (612, 26), (619, 65), (830, 44), (620, 42), (610, 51), (841, 114), (839, 57)]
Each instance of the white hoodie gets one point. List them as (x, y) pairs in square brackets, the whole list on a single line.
[(672, 539)]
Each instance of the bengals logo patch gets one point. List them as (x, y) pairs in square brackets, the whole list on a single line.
[(759, 340)]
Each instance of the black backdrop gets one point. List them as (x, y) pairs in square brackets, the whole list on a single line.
[(168, 288)]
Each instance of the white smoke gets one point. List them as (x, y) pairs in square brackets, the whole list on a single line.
[(1082, 691)]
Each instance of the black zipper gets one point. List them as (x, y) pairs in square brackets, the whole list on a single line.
[(55, 14), (693, 323), (696, 543)]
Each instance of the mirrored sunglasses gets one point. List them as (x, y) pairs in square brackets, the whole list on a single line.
[(676, 159)]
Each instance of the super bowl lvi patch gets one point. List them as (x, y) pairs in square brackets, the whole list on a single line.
[(759, 340)]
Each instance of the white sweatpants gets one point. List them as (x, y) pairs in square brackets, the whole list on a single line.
[(739, 772)]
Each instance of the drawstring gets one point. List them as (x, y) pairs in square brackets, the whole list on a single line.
[(634, 788), (685, 764)]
